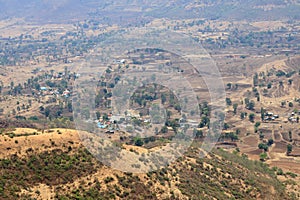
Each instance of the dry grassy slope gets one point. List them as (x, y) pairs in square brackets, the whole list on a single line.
[(56, 165)]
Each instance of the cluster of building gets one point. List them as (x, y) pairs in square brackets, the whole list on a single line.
[(269, 116), (113, 121), (191, 123), (54, 75), (293, 117), (111, 127), (49, 91), (122, 61)]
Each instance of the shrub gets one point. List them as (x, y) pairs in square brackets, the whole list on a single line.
[(263, 156), (108, 179), (279, 172)]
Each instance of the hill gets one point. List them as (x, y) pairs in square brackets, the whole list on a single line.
[(127, 11), (56, 165)]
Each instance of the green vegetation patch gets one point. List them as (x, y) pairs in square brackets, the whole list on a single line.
[(51, 167)]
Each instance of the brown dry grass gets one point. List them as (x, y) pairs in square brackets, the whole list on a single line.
[(39, 142)]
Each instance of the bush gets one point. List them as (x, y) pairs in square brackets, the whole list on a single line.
[(263, 156), (139, 142), (20, 118), (33, 118), (257, 124), (279, 172), (280, 73), (269, 85), (291, 174)]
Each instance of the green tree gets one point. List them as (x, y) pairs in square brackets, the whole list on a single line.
[(270, 142), (233, 137), (280, 83), (204, 122), (37, 86), (269, 86), (257, 124), (169, 114), (279, 172), (228, 101), (98, 115), (289, 149), (251, 105), (255, 79), (258, 98), (199, 134), (177, 107), (261, 136), (263, 146), (105, 117), (138, 142), (137, 122), (242, 115), (163, 98), (229, 85), (247, 101), (47, 112), (42, 108), (290, 136), (235, 105), (262, 114), (252, 117), (225, 126), (70, 107), (164, 129)]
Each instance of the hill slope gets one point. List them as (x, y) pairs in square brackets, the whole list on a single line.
[(62, 168)]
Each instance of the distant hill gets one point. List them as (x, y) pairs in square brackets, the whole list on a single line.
[(74, 10)]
